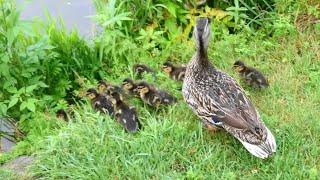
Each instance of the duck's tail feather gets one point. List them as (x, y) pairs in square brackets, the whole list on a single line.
[(263, 150)]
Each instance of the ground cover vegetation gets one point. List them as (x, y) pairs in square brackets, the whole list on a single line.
[(44, 68)]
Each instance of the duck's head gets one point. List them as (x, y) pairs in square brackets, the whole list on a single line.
[(102, 86), (202, 32), (61, 114), (128, 84), (116, 97), (139, 68), (239, 66), (112, 88), (142, 87), (92, 93), (167, 67)]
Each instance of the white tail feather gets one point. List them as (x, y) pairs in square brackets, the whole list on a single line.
[(263, 150)]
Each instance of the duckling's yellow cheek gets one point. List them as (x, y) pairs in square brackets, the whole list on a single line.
[(113, 101), (91, 96), (144, 90), (129, 86), (110, 88), (239, 68), (101, 88), (167, 70)]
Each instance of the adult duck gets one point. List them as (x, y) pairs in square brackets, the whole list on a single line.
[(220, 102)]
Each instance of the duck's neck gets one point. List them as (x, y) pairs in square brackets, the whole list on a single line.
[(202, 55)]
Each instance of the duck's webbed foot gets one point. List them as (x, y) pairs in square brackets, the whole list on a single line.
[(210, 127)]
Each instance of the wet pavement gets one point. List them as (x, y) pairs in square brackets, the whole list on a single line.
[(19, 165), (75, 13), (7, 132)]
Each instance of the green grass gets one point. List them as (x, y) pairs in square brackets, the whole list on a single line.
[(173, 143)]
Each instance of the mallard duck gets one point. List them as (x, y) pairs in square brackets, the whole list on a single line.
[(174, 71), (252, 76), (140, 69), (61, 114), (107, 88), (152, 96), (219, 100), (129, 86), (100, 102), (125, 115)]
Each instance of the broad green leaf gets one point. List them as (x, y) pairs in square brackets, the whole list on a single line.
[(29, 89), (32, 100), (12, 90), (171, 25), (43, 85), (3, 109), (23, 105), (171, 7), (31, 106), (13, 101)]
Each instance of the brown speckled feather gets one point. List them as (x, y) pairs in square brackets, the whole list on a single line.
[(219, 100)]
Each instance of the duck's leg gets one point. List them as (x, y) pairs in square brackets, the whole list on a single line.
[(210, 127)]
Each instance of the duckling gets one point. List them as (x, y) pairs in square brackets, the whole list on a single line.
[(100, 102), (140, 69), (129, 86), (153, 97), (61, 114), (166, 98), (148, 94), (107, 88), (252, 76), (175, 72), (125, 115)]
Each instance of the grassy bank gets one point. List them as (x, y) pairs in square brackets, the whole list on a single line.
[(173, 144)]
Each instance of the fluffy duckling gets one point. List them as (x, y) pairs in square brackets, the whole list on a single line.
[(166, 98), (99, 102), (174, 71), (125, 115), (252, 76), (148, 94), (129, 86), (61, 114), (153, 97), (107, 88), (140, 69)]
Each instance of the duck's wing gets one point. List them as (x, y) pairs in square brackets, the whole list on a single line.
[(222, 102), (221, 97)]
